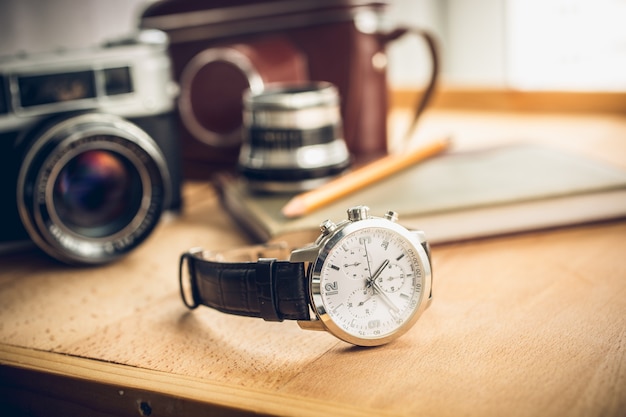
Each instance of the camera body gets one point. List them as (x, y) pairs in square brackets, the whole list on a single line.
[(89, 154), (220, 49)]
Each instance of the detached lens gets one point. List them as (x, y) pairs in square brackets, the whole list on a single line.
[(97, 193), (293, 137)]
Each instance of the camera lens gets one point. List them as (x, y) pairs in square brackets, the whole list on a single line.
[(293, 137), (91, 188), (97, 193)]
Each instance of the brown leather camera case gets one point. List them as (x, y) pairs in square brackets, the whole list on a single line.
[(220, 48)]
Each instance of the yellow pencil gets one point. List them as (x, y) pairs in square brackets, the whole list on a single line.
[(312, 200)]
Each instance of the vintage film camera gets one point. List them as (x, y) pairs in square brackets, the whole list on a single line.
[(89, 154), (221, 48)]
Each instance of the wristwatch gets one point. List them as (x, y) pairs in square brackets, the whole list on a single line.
[(366, 280)]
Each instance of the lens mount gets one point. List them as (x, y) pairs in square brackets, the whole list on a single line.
[(91, 188)]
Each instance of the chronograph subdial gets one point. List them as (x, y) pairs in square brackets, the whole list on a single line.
[(391, 279), (355, 264), (361, 303)]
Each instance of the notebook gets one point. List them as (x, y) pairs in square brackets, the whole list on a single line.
[(457, 196)]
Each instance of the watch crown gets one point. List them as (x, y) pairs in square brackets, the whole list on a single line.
[(327, 227), (358, 213), (391, 216)]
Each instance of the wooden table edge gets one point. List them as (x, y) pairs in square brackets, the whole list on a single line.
[(112, 384)]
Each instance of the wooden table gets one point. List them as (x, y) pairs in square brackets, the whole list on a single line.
[(530, 324)]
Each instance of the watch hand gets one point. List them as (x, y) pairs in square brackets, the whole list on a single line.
[(366, 300), (379, 270), (378, 290), (386, 299), (367, 257), (371, 279)]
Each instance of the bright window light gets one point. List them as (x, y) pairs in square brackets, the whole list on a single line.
[(566, 44)]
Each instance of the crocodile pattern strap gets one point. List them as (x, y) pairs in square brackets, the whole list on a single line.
[(268, 288)]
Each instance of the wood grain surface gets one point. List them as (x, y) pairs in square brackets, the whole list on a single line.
[(530, 324)]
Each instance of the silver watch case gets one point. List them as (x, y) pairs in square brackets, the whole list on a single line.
[(316, 254)]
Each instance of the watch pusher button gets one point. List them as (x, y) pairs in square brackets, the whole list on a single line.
[(327, 227), (358, 213), (391, 216)]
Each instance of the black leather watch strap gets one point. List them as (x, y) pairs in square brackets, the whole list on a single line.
[(269, 288)]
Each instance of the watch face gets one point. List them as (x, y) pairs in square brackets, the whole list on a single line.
[(369, 282)]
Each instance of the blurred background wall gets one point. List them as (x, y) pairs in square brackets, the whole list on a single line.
[(569, 45)]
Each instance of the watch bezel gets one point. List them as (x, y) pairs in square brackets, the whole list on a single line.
[(326, 245)]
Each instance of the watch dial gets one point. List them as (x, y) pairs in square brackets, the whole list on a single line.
[(371, 282)]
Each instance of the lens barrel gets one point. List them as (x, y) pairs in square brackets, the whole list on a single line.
[(91, 188), (293, 137)]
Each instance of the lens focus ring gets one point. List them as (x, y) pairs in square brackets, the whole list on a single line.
[(293, 137), (91, 188)]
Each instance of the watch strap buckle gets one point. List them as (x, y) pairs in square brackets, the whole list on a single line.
[(188, 287)]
